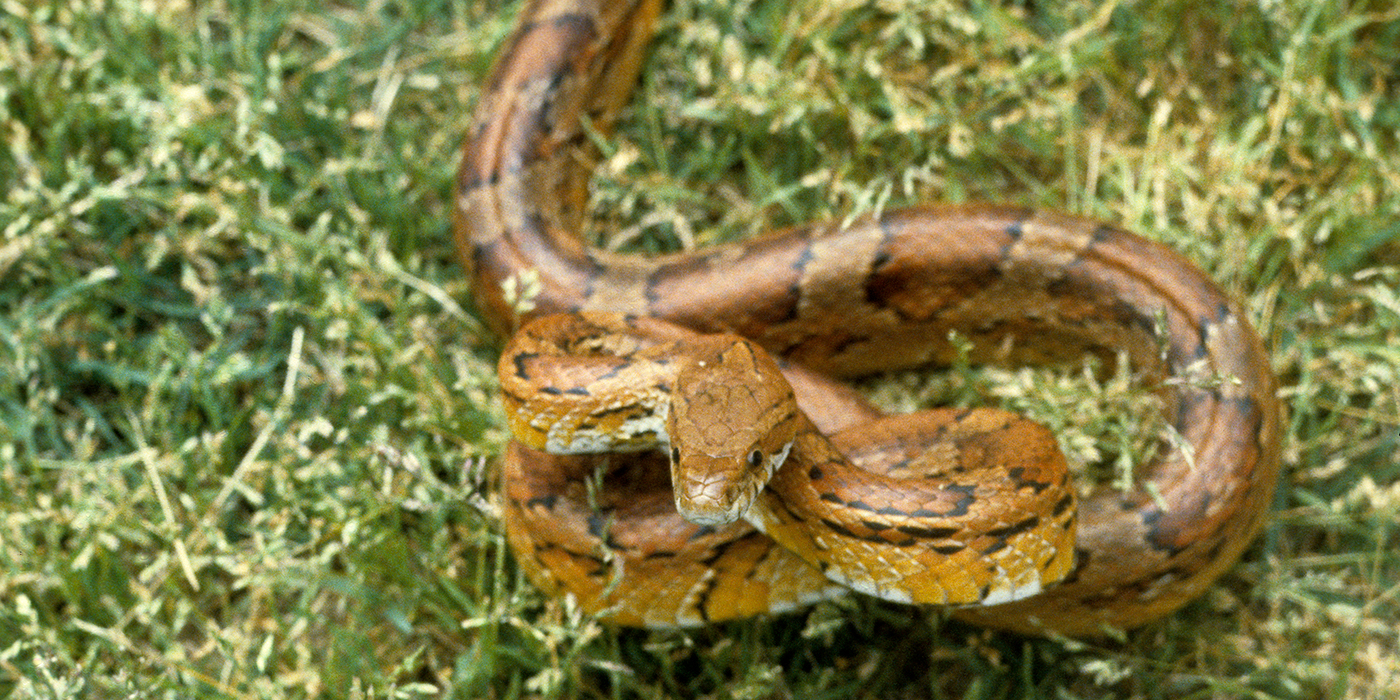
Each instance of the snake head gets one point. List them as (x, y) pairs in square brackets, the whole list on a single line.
[(731, 423)]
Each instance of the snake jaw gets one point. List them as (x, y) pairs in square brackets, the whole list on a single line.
[(705, 509), (720, 492), (712, 490)]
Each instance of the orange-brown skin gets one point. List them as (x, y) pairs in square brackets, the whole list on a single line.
[(1024, 286)]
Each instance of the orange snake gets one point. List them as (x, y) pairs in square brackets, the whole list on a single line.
[(881, 293)]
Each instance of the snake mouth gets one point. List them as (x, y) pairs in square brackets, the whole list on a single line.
[(709, 503), (713, 516), (716, 495)]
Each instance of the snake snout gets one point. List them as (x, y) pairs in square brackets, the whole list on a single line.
[(710, 502)]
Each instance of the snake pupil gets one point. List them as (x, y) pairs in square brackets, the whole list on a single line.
[(755, 458), (675, 455)]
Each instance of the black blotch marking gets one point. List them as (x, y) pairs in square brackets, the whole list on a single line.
[(804, 259), (630, 408), (598, 526), (788, 514), (842, 530), (1172, 575), (1129, 316), (615, 369), (1081, 562), (565, 20), (933, 533), (703, 599), (507, 53), (520, 359), (1202, 349), (1103, 233), (1015, 230), (1015, 528), (1223, 312), (600, 565), (1062, 505), (649, 291), (1188, 402), (546, 502), (861, 505), (960, 508), (1152, 520), (878, 263), (535, 223), (1017, 474), (593, 270), (475, 181), (1246, 405), (793, 297), (716, 552), (486, 256), (882, 258), (517, 396), (1215, 549)]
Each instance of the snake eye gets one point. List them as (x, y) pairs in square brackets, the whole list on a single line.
[(755, 458), (675, 455)]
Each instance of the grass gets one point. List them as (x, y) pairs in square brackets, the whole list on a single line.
[(238, 392)]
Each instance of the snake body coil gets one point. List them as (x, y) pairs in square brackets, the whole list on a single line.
[(881, 293)]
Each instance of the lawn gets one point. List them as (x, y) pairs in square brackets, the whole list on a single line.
[(247, 415)]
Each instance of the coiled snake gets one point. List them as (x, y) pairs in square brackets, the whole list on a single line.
[(881, 293)]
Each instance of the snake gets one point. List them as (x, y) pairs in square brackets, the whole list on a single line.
[(897, 289), (951, 508)]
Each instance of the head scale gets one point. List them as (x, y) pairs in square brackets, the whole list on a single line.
[(731, 424)]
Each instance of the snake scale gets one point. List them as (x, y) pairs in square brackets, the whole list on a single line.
[(882, 292)]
